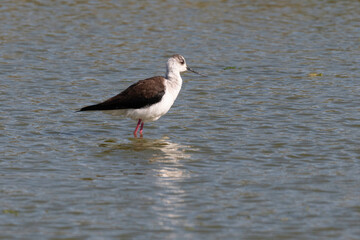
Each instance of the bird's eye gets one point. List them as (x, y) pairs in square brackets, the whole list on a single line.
[(182, 61)]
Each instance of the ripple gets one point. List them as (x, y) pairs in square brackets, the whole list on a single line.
[(266, 145)]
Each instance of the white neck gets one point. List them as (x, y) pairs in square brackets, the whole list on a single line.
[(173, 82), (172, 75)]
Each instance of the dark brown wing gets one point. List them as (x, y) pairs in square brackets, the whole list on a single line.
[(141, 94)]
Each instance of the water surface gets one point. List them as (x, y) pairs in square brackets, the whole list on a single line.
[(265, 147)]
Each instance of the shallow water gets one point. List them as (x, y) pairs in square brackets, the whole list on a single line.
[(265, 147)]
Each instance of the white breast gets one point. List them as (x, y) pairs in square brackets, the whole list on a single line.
[(155, 111)]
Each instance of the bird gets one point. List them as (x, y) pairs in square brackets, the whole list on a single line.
[(149, 99)]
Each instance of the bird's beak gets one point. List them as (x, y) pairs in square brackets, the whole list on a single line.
[(189, 69)]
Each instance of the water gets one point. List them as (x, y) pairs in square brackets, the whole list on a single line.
[(265, 147)]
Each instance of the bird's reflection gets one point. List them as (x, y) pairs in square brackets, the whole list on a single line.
[(167, 157), (157, 150), (168, 166)]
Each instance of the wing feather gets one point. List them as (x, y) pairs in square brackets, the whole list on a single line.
[(139, 95)]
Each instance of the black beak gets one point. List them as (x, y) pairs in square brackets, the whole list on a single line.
[(189, 69)]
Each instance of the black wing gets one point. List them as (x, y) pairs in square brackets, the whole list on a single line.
[(141, 94)]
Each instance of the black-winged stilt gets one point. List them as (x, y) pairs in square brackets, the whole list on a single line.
[(149, 99)]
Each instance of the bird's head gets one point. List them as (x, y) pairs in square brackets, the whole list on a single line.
[(177, 63)]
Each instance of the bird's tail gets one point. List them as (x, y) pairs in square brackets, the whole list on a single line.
[(95, 107)]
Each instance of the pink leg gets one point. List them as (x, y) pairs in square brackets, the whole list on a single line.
[(137, 128), (141, 128)]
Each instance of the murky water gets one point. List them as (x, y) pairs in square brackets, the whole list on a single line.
[(265, 147)]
